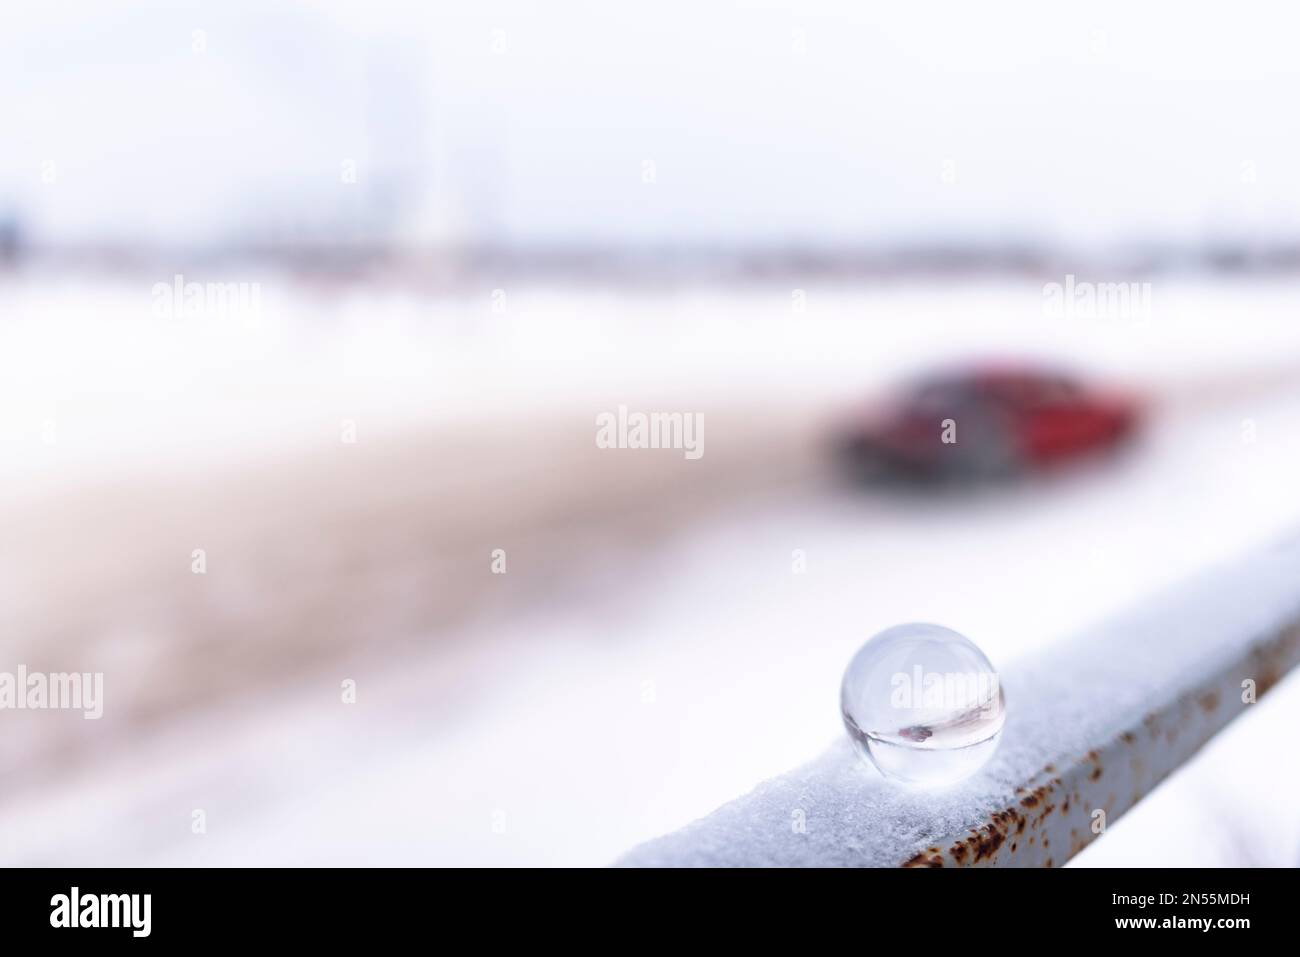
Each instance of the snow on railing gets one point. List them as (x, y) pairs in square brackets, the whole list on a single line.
[(1092, 726)]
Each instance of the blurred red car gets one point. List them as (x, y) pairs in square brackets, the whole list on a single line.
[(988, 423)]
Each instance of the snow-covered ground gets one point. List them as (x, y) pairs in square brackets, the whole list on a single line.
[(669, 679)]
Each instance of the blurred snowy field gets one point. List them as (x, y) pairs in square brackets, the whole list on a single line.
[(669, 679), (128, 387)]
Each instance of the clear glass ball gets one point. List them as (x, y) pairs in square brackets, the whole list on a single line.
[(923, 704)]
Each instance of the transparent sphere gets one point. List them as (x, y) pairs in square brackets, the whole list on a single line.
[(923, 704)]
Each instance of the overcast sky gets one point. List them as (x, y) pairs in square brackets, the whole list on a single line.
[(675, 121)]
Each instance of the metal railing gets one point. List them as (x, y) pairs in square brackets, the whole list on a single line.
[(1093, 726)]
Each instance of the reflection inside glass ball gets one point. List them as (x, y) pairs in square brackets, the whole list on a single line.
[(923, 704)]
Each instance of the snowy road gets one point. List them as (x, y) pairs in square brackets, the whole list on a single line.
[(657, 682)]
